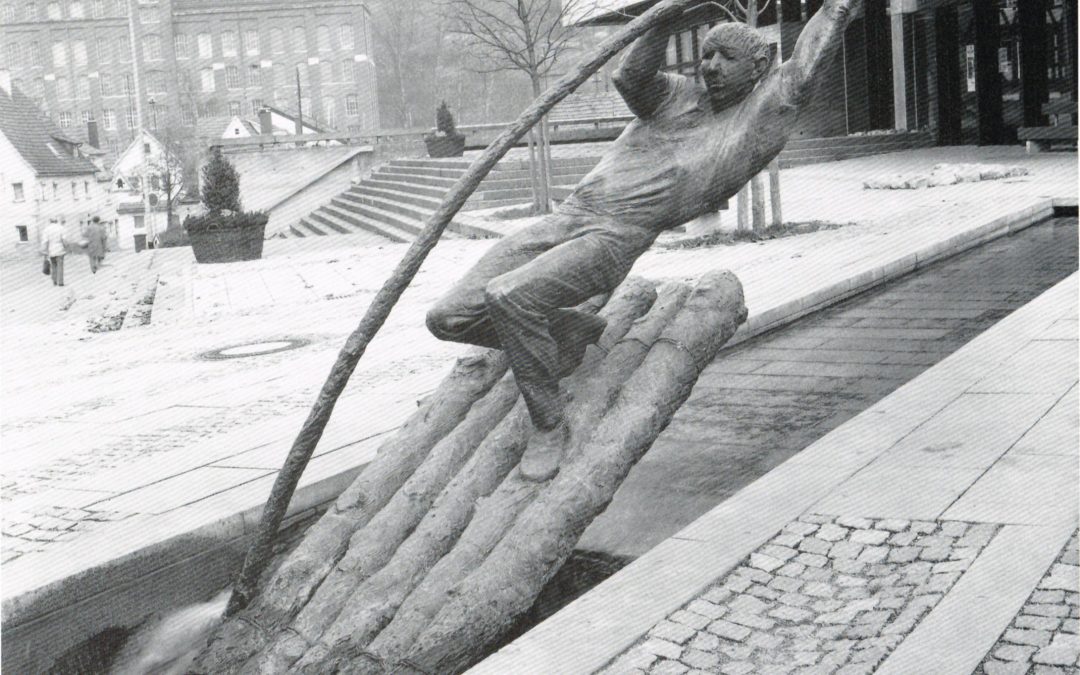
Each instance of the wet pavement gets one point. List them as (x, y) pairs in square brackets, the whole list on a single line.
[(763, 401)]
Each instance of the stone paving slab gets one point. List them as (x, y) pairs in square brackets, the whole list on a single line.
[(746, 541)]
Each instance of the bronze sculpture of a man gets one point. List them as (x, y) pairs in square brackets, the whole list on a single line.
[(694, 144)]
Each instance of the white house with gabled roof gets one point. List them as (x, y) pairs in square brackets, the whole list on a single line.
[(43, 174)]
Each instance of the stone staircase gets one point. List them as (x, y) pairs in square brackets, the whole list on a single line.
[(395, 201)]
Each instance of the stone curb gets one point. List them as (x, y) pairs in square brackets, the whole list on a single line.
[(115, 591)]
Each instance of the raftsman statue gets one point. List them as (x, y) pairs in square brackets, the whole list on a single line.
[(694, 144)]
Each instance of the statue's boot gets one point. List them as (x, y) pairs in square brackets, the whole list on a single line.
[(574, 331), (543, 453)]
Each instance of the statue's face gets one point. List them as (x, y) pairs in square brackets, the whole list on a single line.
[(727, 72)]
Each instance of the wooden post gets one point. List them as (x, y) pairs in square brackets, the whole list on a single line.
[(757, 196), (774, 193), (743, 203)]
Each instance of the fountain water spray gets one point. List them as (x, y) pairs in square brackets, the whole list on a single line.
[(169, 645)]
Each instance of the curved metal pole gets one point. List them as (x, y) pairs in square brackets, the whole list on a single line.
[(258, 554)]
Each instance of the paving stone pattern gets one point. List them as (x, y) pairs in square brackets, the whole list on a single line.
[(825, 595), (32, 532), (1043, 639)]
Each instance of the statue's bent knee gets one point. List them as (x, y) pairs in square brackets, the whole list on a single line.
[(441, 322)]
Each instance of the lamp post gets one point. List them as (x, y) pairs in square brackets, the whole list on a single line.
[(133, 41)]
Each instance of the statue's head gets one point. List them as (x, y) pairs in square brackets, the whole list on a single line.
[(734, 57)]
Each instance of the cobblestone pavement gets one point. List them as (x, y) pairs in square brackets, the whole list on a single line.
[(823, 596), (1043, 639)]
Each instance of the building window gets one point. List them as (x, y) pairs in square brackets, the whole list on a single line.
[(155, 82), (30, 12), (254, 77), (228, 43), (347, 73), (108, 119), (76, 9), (232, 77), (256, 105), (277, 41), (345, 33), (11, 51), (65, 120), (74, 190), (63, 88), (206, 46), (234, 108), (17, 191), (9, 13), (206, 79), (99, 9), (251, 42), (78, 51), (152, 48), (105, 84), (59, 54), (82, 87), (299, 39), (35, 54), (130, 118), (180, 46), (87, 117), (56, 191), (52, 10), (187, 115), (104, 52), (352, 105), (125, 48), (329, 110), (129, 84), (149, 15), (21, 231), (322, 34)]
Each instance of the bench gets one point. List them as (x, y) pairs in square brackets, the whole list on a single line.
[(1063, 112)]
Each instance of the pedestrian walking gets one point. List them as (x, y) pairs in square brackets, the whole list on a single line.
[(53, 246), (96, 243)]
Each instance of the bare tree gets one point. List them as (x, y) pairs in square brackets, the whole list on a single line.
[(526, 36)]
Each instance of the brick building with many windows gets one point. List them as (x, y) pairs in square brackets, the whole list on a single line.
[(196, 59)]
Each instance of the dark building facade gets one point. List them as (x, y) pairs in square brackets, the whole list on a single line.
[(969, 71), (197, 59)]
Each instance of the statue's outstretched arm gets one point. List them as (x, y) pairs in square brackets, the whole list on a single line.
[(638, 78), (816, 45)]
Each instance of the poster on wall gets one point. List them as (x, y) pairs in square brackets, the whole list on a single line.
[(969, 61)]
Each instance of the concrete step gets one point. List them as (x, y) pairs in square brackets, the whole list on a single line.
[(412, 212), (378, 181), (371, 212), (362, 223), (575, 170), (343, 222), (405, 196), (307, 228), (504, 165), (325, 218)]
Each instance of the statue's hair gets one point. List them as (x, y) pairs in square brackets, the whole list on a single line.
[(739, 36)]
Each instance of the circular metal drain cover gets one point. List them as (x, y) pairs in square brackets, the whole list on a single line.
[(254, 349)]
